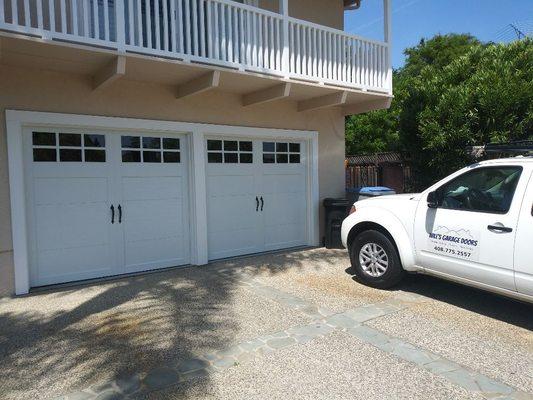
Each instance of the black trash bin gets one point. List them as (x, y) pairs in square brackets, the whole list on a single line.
[(336, 211)]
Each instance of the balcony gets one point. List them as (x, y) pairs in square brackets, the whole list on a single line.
[(218, 33)]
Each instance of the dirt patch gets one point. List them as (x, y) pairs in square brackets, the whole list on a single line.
[(117, 326), (341, 287)]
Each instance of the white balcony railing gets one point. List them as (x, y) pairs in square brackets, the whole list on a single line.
[(221, 32)]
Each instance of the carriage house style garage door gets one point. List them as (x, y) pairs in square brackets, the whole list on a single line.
[(105, 204), (256, 195)]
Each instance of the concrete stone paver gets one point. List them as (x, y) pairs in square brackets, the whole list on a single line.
[(324, 368), (497, 349)]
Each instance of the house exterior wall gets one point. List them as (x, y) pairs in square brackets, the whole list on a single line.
[(37, 90), (324, 12)]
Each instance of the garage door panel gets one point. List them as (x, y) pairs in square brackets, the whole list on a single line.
[(75, 263), (165, 219), (156, 253), (284, 208), (223, 212), (240, 241), (70, 225), (283, 183), (230, 185), (284, 236), (71, 170), (155, 207), (285, 220), (150, 188), (70, 190)]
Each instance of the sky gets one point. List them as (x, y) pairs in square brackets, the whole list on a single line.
[(412, 20)]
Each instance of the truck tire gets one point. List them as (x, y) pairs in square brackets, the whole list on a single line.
[(375, 260)]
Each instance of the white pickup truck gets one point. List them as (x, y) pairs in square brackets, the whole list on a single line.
[(474, 227)]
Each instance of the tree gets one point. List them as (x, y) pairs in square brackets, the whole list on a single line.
[(378, 131), (483, 96), (452, 92)]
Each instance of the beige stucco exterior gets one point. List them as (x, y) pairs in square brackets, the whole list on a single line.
[(324, 12), (329, 13), (41, 90)]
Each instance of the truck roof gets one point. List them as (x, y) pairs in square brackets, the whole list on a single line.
[(514, 160)]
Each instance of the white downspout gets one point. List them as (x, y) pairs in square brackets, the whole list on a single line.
[(387, 35)]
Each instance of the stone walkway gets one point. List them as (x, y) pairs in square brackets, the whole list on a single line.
[(324, 322)]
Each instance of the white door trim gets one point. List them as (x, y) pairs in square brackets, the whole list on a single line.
[(16, 121)]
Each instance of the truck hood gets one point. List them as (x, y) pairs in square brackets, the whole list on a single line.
[(391, 202), (392, 197)]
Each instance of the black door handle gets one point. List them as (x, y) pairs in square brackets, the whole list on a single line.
[(256, 204), (119, 214), (262, 203), (498, 228), (112, 214)]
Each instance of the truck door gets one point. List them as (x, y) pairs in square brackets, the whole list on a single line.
[(470, 231), (524, 244)]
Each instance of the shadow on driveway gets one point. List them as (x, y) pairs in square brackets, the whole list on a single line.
[(479, 301), (61, 340)]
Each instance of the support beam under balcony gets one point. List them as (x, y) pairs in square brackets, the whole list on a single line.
[(329, 100), (201, 84), (116, 69), (359, 108), (265, 95)]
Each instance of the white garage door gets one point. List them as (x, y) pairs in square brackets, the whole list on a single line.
[(102, 203), (256, 195)]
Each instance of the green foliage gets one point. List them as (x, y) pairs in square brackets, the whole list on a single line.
[(452, 92), (437, 52), (362, 137)]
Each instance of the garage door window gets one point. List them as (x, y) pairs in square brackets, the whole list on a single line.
[(229, 151), (68, 147), (148, 149), (281, 153)]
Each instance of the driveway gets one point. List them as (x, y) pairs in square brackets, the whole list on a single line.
[(292, 325)]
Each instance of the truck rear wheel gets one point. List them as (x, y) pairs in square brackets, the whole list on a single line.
[(375, 260)]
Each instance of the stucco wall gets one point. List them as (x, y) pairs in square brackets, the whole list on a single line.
[(37, 90), (324, 12)]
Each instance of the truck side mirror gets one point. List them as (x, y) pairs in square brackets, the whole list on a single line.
[(433, 201)]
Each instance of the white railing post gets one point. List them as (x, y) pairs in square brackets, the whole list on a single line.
[(284, 11), (387, 35), (120, 25), (15, 12)]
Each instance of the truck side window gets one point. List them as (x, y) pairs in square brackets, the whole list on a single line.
[(488, 189)]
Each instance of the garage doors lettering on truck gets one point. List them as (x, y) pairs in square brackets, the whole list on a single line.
[(456, 242)]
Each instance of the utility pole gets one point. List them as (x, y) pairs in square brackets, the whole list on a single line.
[(519, 33)]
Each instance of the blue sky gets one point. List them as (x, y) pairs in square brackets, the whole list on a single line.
[(413, 19)]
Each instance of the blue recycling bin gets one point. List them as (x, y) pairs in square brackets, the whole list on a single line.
[(367, 192)]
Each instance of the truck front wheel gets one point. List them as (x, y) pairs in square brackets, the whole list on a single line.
[(376, 260)]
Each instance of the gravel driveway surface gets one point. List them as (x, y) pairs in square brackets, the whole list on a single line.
[(291, 325)]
